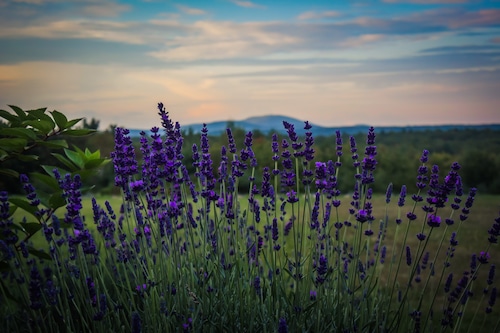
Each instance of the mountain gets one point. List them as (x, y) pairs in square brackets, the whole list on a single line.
[(274, 123)]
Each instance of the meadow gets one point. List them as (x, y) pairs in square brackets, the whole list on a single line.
[(184, 251)]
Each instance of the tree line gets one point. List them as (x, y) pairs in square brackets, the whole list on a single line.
[(397, 155)]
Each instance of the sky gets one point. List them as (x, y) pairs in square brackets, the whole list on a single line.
[(333, 63)]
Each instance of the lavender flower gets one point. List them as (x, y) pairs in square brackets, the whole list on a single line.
[(136, 322), (123, 156), (408, 256), (434, 221), (35, 288), (483, 257), (321, 270), (491, 275), (494, 231), (491, 301), (282, 326)]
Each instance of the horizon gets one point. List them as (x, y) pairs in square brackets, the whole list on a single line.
[(315, 125), (386, 63)]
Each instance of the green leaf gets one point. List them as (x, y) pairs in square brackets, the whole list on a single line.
[(39, 254), (42, 125), (56, 200), (31, 228), (19, 132), (53, 144), (5, 267), (73, 122), (92, 155), (48, 181), (25, 205), (92, 164), (78, 132), (39, 114), (12, 210), (64, 161), (13, 144), (74, 157), (21, 114), (9, 172), (49, 169), (60, 119), (27, 158), (9, 116)]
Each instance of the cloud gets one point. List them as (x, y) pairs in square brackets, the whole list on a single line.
[(109, 9), (362, 40), (190, 10), (79, 29), (246, 4), (312, 15), (224, 40)]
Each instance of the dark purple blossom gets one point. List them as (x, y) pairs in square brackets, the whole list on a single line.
[(402, 196), (321, 270), (124, 161), (313, 295), (408, 256), (282, 326), (434, 221), (35, 288), (491, 300), (136, 322), (447, 284), (491, 275), (483, 257)]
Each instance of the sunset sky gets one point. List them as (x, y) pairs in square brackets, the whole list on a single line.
[(334, 63)]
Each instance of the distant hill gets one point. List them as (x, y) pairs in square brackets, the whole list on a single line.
[(274, 123)]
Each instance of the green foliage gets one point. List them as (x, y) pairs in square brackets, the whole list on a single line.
[(21, 138)]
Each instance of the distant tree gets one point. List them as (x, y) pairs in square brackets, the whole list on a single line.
[(93, 124)]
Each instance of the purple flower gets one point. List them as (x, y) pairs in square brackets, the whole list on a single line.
[(186, 327), (313, 295), (339, 143), (411, 216), (447, 284), (29, 189), (491, 275), (491, 301), (402, 196), (434, 221), (321, 270), (256, 285), (388, 193), (123, 156), (292, 196), (35, 288), (137, 186), (494, 231), (288, 227), (136, 322), (290, 128), (282, 326), (383, 253), (408, 256), (483, 257)]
